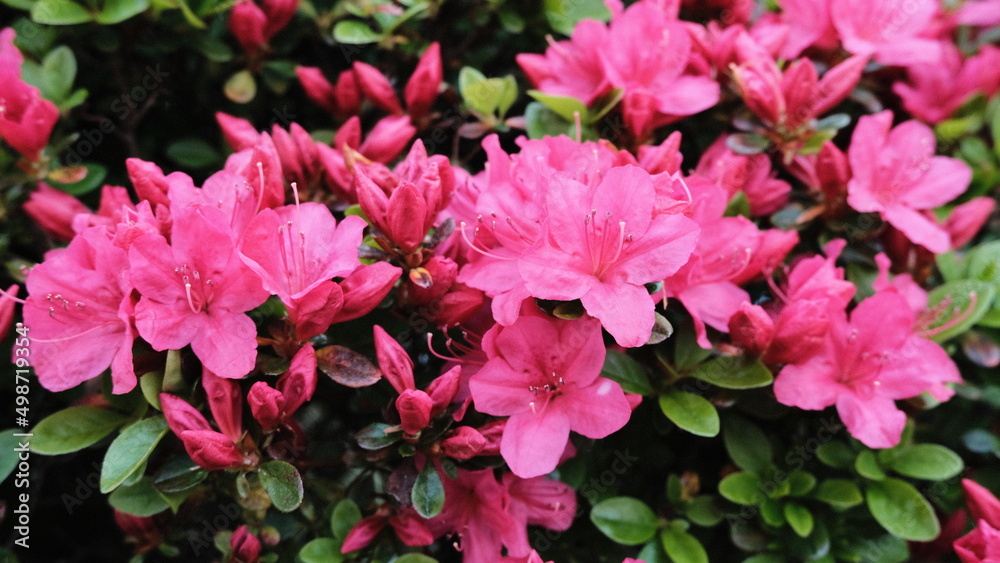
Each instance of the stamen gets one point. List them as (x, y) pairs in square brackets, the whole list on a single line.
[(260, 174), (465, 236)]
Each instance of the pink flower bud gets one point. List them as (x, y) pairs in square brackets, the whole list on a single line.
[(410, 528), (225, 399), (967, 219), (388, 138), (27, 119), (405, 204), (463, 443), (288, 154), (751, 328), (279, 13), (7, 306), (267, 405), (246, 22), (444, 389), (244, 546), (181, 416), (54, 210), (393, 360), (299, 383), (422, 87), (376, 88), (348, 94), (414, 408), (318, 88), (212, 450), (983, 504), (363, 533), (492, 431), (149, 181), (365, 288), (239, 133)]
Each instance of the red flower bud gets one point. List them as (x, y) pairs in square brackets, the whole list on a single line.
[(244, 546), (414, 408), (444, 389), (422, 87), (212, 450), (410, 528), (7, 305), (365, 288), (54, 210), (463, 443), (149, 181), (225, 399), (181, 416), (318, 88), (246, 22), (266, 405), (239, 133), (348, 94), (376, 87), (752, 329), (983, 504), (966, 219), (299, 383), (363, 533), (388, 138)]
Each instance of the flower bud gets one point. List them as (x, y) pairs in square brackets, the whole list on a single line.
[(414, 408), (463, 443)]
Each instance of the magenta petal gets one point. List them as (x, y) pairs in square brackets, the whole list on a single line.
[(810, 385), (875, 421), (918, 228), (946, 179), (532, 444), (165, 327), (625, 310), (227, 345), (598, 409)]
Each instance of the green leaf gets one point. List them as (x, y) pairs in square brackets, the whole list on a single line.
[(682, 547), (901, 510), (984, 262), (620, 367), (130, 450), (428, 492), (564, 106), (486, 96), (374, 437), (799, 518), (747, 143), (283, 484), (117, 11), (690, 412), (734, 372), (58, 73), (867, 466), (414, 558), (927, 461), (703, 511), (839, 493), (468, 76), (354, 32), (20, 5), (140, 499), (625, 520), (179, 474), (91, 181), (59, 12), (963, 302), (151, 384), (742, 488), (951, 266), (835, 454), (563, 15), (8, 455), (800, 483), (241, 88), (747, 445), (321, 550), (542, 122), (193, 153), (345, 515), (73, 429), (508, 95)]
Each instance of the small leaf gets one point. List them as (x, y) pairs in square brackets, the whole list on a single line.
[(839, 493), (682, 547), (414, 558), (563, 15), (867, 466), (902, 511), (747, 445), (800, 483), (564, 106), (799, 518), (139, 499), (691, 412), (703, 511), (8, 453), (542, 122), (927, 461), (241, 87), (354, 32), (835, 454), (747, 143), (374, 436), (347, 367), (193, 153), (620, 367), (345, 515), (508, 95), (742, 488), (734, 372), (130, 450), (151, 384), (321, 550), (625, 520), (283, 484), (179, 475), (59, 12), (428, 492), (117, 11), (73, 429), (79, 183), (58, 73)]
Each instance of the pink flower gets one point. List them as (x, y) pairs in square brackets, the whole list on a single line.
[(26, 119), (897, 175), (297, 250), (195, 290), (981, 545), (809, 24), (750, 174), (409, 527), (866, 364), (8, 302), (476, 508), (936, 89), (826, 172), (54, 210), (602, 245), (965, 220), (983, 13), (648, 59), (544, 374), (571, 68), (539, 501), (890, 30), (79, 309)]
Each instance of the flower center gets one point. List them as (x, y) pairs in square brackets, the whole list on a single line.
[(605, 240), (199, 292), (550, 388)]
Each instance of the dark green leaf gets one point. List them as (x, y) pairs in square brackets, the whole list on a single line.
[(193, 153), (139, 499), (345, 515), (130, 450), (620, 367), (747, 445), (625, 520), (116, 11), (703, 511), (901, 510), (682, 547), (428, 492), (92, 180), (835, 454), (179, 475), (321, 550), (867, 466), (283, 484), (8, 453), (734, 372), (839, 493), (373, 436), (58, 73), (73, 429), (800, 483), (59, 12), (742, 488), (927, 461), (690, 412)]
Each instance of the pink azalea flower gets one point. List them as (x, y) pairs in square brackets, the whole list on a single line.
[(342, 100), (809, 24), (297, 250), (937, 89), (571, 68), (890, 30), (983, 13), (26, 119), (897, 175), (79, 309), (750, 174), (648, 60), (195, 290), (866, 364), (273, 406), (602, 244), (544, 374), (539, 501), (476, 509)]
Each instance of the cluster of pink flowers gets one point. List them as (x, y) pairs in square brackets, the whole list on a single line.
[(619, 233)]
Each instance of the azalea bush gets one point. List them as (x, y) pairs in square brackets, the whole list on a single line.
[(486, 281)]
